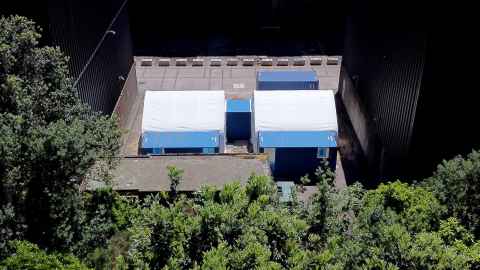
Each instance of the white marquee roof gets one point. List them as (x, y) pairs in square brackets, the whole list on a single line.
[(296, 110), (176, 111)]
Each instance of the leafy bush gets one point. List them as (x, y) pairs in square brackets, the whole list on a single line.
[(456, 184), (28, 256)]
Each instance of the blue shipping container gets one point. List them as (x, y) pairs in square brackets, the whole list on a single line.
[(296, 153), (287, 80), (239, 113)]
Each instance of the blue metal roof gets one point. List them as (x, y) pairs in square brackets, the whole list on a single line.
[(274, 139), (287, 75), (152, 139), (238, 105)]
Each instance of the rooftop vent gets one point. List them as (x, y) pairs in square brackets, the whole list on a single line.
[(316, 61), (299, 61), (215, 62), (282, 62), (197, 62), (164, 62), (266, 62), (232, 62), (333, 60), (248, 61), (146, 62), (181, 62)]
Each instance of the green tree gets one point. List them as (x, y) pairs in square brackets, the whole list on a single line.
[(99, 225), (175, 175), (456, 184), (49, 139), (396, 226), (27, 256)]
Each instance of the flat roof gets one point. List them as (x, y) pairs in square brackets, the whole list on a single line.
[(150, 174), (179, 111), (296, 110)]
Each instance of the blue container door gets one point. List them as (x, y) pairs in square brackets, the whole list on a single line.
[(238, 126), (293, 163)]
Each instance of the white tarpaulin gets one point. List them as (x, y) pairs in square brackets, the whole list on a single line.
[(176, 111), (309, 110)]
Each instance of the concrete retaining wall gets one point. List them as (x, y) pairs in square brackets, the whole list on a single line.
[(357, 113), (127, 98)]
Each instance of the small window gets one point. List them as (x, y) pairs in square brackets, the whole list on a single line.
[(209, 150), (157, 151), (322, 152)]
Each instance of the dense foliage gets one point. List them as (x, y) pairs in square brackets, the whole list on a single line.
[(456, 184), (50, 142), (396, 226), (28, 256)]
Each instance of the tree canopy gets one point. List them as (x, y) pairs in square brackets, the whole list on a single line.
[(49, 140)]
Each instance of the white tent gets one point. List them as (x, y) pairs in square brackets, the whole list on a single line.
[(177, 111), (296, 110)]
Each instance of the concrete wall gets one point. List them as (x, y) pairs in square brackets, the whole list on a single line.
[(359, 117), (127, 98), (127, 103), (355, 109)]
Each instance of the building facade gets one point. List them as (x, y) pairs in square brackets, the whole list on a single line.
[(95, 35), (401, 61)]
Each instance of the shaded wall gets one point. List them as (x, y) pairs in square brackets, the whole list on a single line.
[(77, 27), (448, 111), (411, 65), (384, 57)]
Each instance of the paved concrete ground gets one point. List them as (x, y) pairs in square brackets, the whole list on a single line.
[(237, 82)]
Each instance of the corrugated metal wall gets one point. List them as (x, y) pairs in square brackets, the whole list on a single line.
[(447, 112), (77, 27), (385, 56)]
